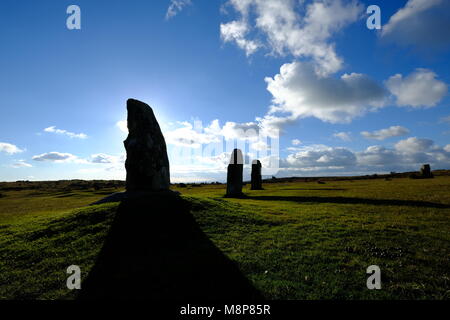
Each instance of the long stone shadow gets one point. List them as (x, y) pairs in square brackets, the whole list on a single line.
[(347, 200), (315, 189), (156, 250)]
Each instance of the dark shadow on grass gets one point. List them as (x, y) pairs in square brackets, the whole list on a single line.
[(156, 250), (103, 193), (68, 195), (315, 189), (346, 200)]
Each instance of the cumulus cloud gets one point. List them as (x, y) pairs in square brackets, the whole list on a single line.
[(413, 145), (418, 89), (422, 23), (298, 90), (247, 130), (322, 157), (9, 148), (291, 27), (377, 156), (344, 136), (53, 129), (55, 156), (207, 168), (415, 151), (188, 136), (259, 146), (296, 142), (273, 126), (406, 155), (218, 162), (394, 131), (195, 135), (235, 31), (175, 7)]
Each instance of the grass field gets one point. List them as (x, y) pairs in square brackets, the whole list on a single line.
[(293, 240)]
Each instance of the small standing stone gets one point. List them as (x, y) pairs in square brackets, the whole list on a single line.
[(147, 163), (256, 175), (234, 174), (425, 171)]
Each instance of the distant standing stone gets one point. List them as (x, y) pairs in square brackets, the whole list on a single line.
[(425, 171), (147, 163), (256, 175), (234, 174)]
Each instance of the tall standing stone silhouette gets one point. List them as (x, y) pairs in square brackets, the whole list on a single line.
[(425, 171), (256, 175), (234, 174), (147, 163)]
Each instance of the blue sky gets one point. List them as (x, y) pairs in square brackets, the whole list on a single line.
[(345, 99)]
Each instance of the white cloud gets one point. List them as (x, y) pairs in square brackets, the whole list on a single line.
[(247, 130), (194, 136), (298, 90), (113, 165), (296, 142), (408, 154), (273, 126), (188, 136), (207, 168), (325, 157), (122, 125), (236, 31), (53, 129), (9, 148), (218, 162), (94, 159), (55, 156), (259, 146), (106, 158), (21, 164), (423, 23), (418, 89), (344, 136), (290, 27), (175, 7), (414, 145), (394, 131), (377, 156), (415, 150)]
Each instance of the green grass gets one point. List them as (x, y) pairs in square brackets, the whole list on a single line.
[(30, 204), (34, 254), (299, 240)]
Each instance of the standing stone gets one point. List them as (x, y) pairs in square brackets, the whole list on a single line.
[(234, 174), (256, 175), (147, 163), (425, 171)]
